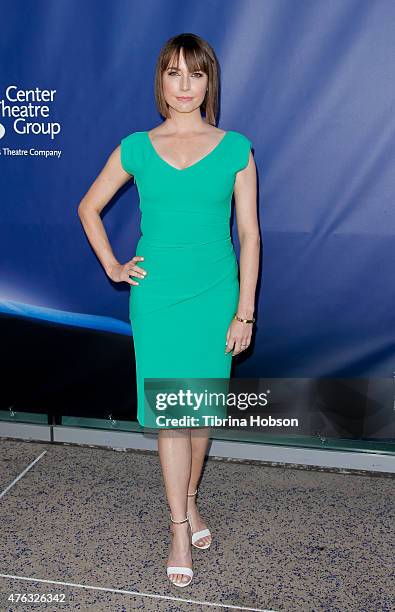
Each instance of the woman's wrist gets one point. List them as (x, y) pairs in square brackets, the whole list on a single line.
[(245, 312), (110, 267)]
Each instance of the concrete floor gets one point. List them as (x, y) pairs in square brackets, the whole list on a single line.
[(93, 525)]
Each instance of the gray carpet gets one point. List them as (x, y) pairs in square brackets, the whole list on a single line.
[(283, 539)]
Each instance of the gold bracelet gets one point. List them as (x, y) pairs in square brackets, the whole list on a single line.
[(244, 320)]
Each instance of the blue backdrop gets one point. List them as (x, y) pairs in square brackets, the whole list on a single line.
[(309, 82)]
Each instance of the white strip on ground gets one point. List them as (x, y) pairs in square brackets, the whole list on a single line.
[(137, 593), (22, 474)]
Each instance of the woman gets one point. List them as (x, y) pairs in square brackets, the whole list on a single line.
[(189, 315)]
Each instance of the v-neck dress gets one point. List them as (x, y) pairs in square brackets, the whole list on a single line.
[(180, 312)]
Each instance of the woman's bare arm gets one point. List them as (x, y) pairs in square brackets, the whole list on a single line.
[(239, 334), (100, 193), (248, 231)]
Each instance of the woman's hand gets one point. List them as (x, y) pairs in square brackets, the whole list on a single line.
[(122, 272), (238, 336)]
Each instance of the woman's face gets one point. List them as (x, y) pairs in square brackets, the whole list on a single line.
[(180, 83)]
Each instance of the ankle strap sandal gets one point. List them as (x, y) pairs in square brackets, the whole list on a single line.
[(199, 534), (175, 569)]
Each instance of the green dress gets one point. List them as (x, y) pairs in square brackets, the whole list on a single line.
[(180, 312)]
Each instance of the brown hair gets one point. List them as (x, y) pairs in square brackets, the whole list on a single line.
[(198, 55)]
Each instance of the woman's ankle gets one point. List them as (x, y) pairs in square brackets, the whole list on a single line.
[(176, 528)]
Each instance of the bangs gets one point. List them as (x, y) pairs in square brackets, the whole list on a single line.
[(195, 57)]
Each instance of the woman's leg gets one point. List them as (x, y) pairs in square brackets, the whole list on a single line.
[(174, 446), (199, 442)]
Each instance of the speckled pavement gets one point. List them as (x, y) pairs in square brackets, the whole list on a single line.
[(283, 539)]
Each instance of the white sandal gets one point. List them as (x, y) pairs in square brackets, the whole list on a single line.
[(174, 569), (199, 534)]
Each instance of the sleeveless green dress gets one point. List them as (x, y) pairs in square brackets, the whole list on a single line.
[(181, 310)]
